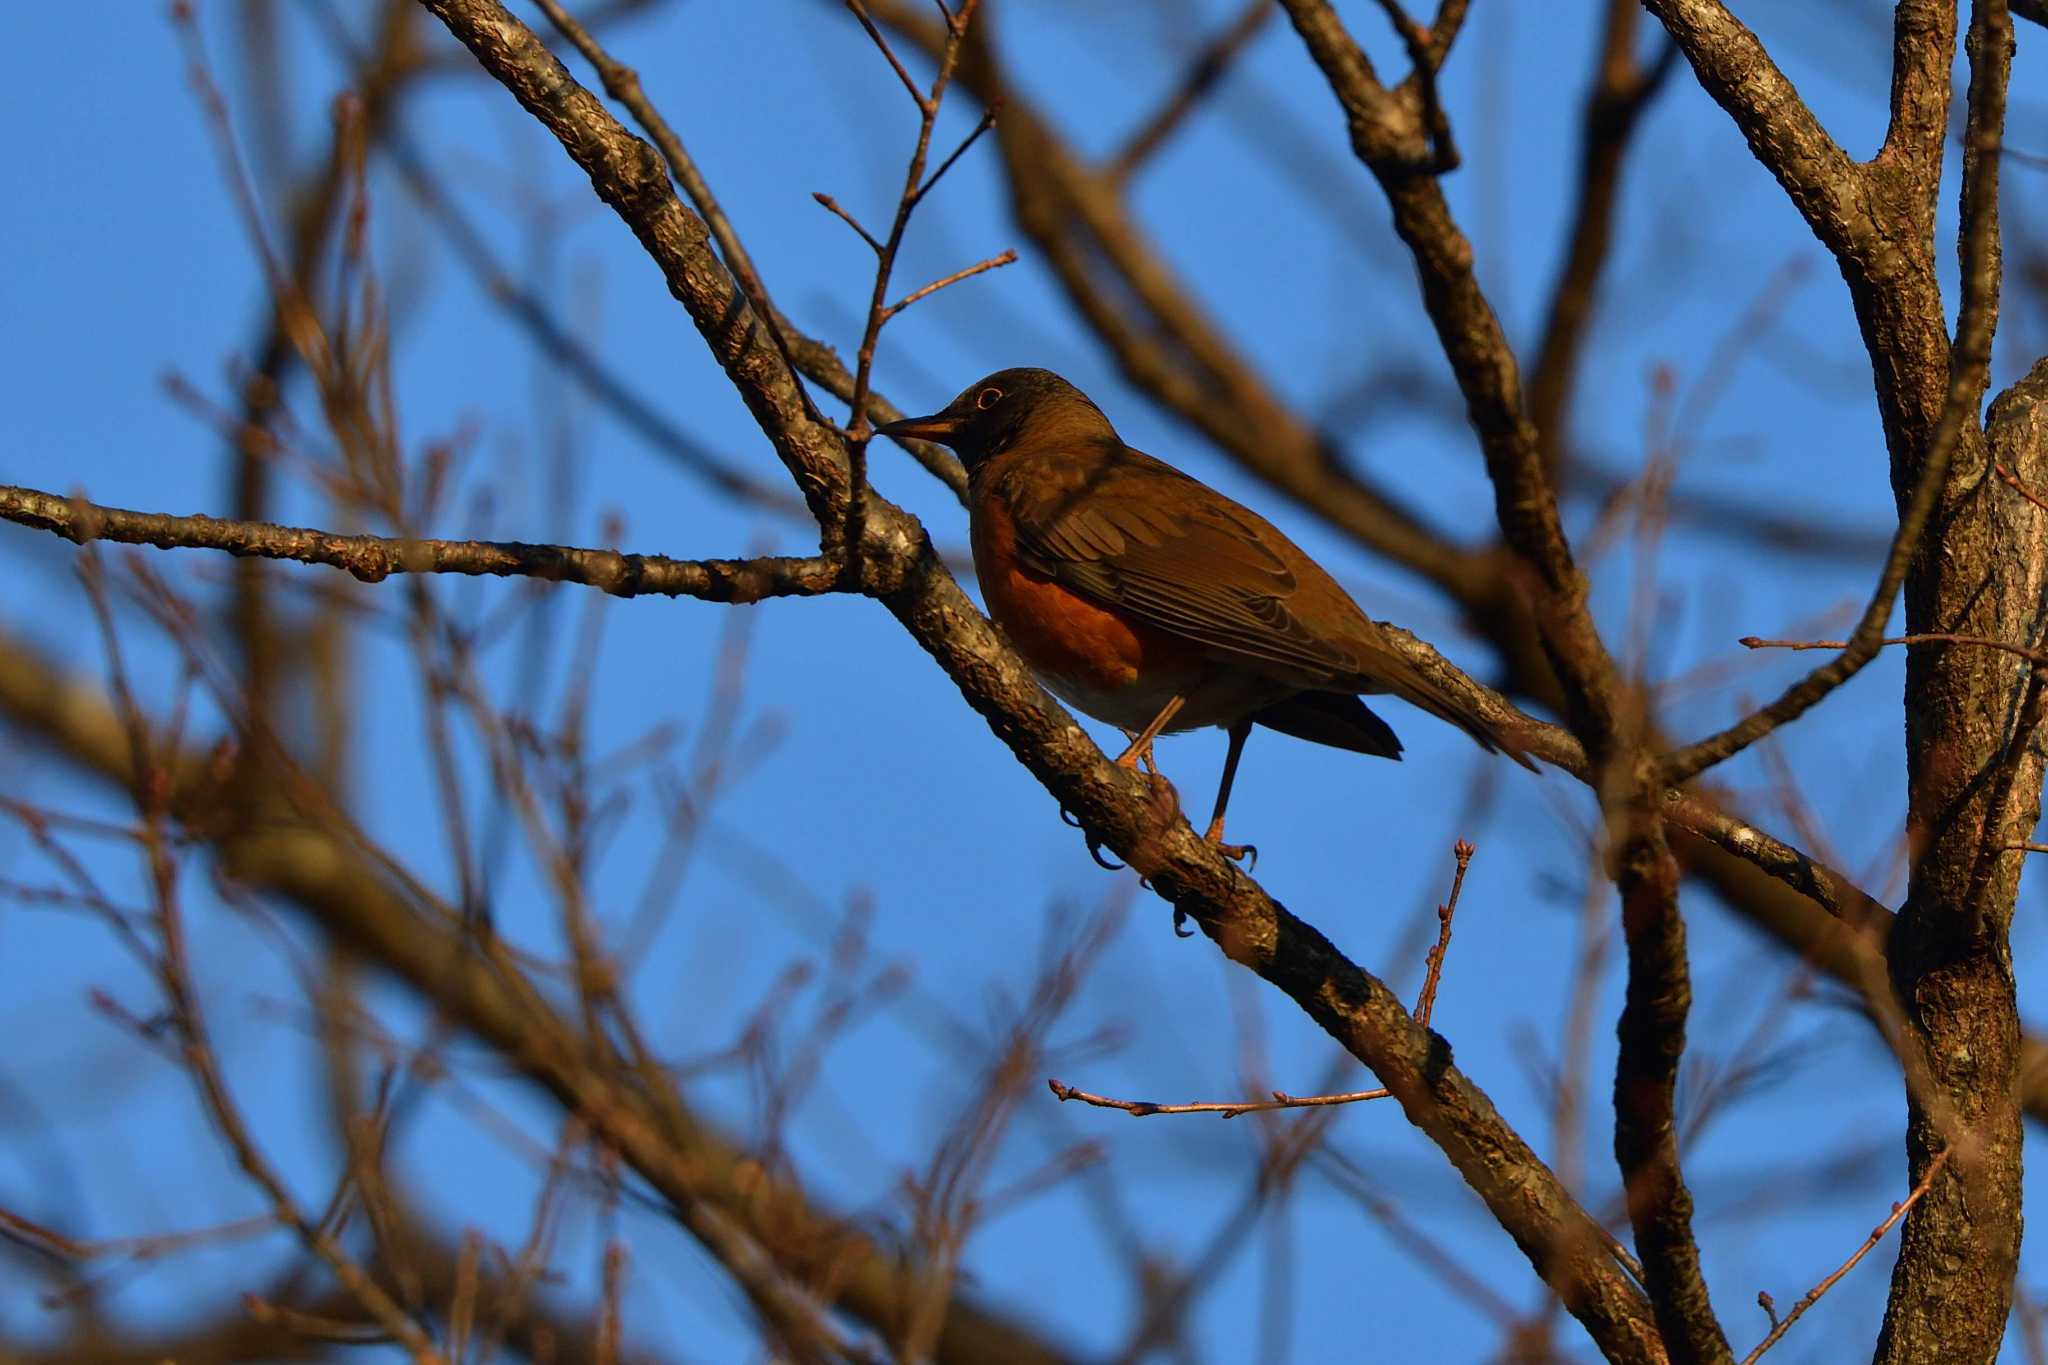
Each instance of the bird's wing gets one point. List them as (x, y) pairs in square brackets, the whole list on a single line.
[(1136, 534), (1130, 532)]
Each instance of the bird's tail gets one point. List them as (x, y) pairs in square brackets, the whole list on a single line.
[(1337, 719), (1418, 691)]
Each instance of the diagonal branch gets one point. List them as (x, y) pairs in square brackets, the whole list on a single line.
[(1561, 1240), (1622, 90), (1732, 66), (1385, 130), (1207, 68)]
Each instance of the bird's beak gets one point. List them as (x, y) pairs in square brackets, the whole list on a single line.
[(940, 427)]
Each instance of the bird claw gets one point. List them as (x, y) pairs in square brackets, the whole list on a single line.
[(1094, 844), (1095, 852), (1248, 854), (1180, 924)]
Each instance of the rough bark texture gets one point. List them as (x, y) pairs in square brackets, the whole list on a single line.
[(1975, 777)]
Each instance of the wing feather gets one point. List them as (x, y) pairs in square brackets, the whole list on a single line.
[(1203, 568)]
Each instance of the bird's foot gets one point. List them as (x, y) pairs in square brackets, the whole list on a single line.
[(1237, 853), (1164, 800), (1248, 854), (1135, 754)]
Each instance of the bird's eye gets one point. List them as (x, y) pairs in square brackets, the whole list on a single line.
[(988, 398)]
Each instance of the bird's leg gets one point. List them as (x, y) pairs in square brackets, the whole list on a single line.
[(1141, 743), (1239, 733)]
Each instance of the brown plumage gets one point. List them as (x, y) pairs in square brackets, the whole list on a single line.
[(1153, 602)]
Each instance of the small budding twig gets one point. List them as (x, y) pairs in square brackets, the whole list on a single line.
[(1812, 1296), (982, 125), (1926, 638), (2005, 473), (979, 267), (1425, 1005), (833, 206), (925, 105)]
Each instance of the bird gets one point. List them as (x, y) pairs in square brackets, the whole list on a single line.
[(1155, 603)]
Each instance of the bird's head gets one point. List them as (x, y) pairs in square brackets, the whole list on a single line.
[(1007, 409)]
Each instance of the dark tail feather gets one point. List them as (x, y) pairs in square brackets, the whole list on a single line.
[(1333, 718)]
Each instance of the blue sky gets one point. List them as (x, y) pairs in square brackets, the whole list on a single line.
[(126, 264)]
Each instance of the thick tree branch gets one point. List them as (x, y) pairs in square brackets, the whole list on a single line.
[(1732, 66), (1384, 132), (1116, 806), (1083, 228), (1388, 136), (1974, 774)]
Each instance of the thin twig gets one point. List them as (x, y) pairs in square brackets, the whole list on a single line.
[(1425, 1004), (1924, 638), (834, 206), (1877, 1233), (979, 267), (860, 12), (2005, 473), (851, 532), (1229, 1109), (982, 125)]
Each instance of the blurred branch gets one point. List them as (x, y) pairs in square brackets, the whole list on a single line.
[(1115, 806), (1622, 89), (1386, 134), (310, 856), (1205, 70), (622, 83)]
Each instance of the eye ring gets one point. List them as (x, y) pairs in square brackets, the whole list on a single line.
[(988, 398)]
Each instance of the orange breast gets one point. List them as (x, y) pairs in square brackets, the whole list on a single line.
[(1059, 632)]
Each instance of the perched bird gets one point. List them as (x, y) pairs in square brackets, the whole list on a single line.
[(1153, 602)]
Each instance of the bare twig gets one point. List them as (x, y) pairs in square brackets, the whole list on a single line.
[(979, 267), (622, 83), (833, 206), (1812, 1296), (1425, 1004), (373, 558), (1229, 1109), (1924, 638), (925, 104), (2012, 479)]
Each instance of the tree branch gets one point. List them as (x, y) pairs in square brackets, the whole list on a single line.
[(1733, 67), (374, 558)]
